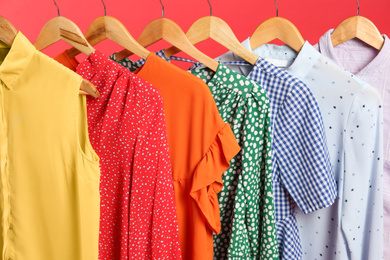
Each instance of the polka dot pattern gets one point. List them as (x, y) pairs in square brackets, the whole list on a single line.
[(246, 200), (127, 130), (201, 146), (371, 66), (351, 111)]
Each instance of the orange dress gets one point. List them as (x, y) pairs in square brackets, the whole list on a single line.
[(64, 59), (201, 145)]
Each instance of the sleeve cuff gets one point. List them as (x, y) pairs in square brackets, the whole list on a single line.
[(207, 180)]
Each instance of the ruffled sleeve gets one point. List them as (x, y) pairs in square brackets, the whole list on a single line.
[(207, 178)]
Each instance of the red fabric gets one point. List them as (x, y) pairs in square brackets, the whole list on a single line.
[(201, 146), (127, 130)]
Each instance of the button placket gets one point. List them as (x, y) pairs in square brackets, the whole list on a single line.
[(5, 187)]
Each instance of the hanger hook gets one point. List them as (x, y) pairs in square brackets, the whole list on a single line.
[(58, 9), (277, 9), (211, 8), (358, 7), (162, 6), (105, 12)]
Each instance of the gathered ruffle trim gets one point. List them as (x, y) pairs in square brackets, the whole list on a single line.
[(207, 178)]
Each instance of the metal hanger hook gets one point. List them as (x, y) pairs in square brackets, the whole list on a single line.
[(162, 6), (58, 9), (277, 9), (358, 7), (105, 12), (211, 8)]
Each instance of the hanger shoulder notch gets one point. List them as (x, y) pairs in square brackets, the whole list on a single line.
[(61, 28), (277, 28), (222, 33), (357, 27)]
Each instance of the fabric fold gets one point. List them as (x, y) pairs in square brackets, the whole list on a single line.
[(246, 204), (196, 138), (138, 218), (288, 235), (299, 148), (204, 190)]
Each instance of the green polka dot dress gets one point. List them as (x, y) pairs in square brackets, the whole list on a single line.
[(127, 63), (246, 200)]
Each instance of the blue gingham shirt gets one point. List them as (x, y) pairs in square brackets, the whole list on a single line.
[(302, 173), (352, 114), (159, 53)]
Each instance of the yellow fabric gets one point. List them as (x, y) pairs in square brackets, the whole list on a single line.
[(49, 187)]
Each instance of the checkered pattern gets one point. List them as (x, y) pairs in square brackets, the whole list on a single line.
[(181, 59), (301, 164), (160, 53), (302, 172)]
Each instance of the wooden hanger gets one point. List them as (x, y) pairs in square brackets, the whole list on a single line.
[(218, 30), (168, 30), (61, 28), (357, 27), (7, 31), (108, 27), (277, 28)]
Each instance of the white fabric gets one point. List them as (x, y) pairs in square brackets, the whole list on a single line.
[(352, 115), (373, 67)]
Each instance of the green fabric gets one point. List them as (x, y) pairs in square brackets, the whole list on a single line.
[(127, 63), (246, 201), (246, 205)]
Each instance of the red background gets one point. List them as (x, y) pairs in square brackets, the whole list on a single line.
[(312, 17)]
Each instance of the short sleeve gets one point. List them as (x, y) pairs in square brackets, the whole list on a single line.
[(301, 151), (207, 178), (153, 209)]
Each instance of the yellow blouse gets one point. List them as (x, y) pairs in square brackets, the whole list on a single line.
[(49, 173)]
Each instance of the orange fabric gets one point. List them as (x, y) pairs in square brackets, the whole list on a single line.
[(65, 60), (201, 146)]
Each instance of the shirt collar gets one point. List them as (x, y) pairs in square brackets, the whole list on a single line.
[(326, 47), (97, 62), (225, 74), (304, 61), (272, 50), (246, 69), (379, 62), (247, 44), (300, 63), (264, 66), (17, 60)]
